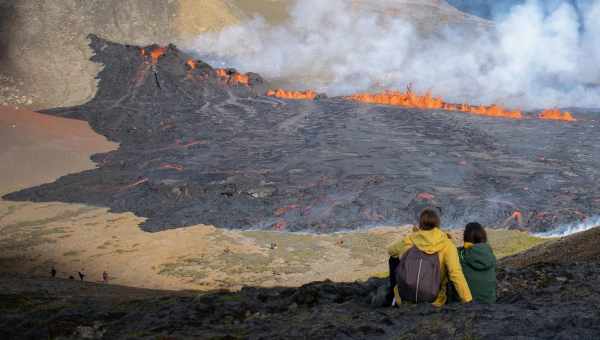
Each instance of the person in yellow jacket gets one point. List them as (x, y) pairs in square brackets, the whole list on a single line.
[(430, 239)]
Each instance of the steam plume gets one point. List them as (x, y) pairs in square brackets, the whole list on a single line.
[(534, 57)]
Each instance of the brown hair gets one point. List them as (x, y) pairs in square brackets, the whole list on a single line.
[(475, 233), (429, 219)]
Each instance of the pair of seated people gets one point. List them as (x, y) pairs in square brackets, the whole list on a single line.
[(426, 266)]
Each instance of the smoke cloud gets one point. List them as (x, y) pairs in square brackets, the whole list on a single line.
[(534, 57)]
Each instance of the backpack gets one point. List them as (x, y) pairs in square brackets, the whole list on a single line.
[(418, 276)]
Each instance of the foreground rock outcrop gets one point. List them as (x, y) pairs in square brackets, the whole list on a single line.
[(541, 301), (580, 247)]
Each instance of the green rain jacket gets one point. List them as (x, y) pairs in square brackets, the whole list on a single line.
[(479, 266)]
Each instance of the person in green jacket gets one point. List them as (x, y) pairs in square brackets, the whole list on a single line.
[(478, 264)]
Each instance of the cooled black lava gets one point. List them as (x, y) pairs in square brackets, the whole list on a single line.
[(197, 150)]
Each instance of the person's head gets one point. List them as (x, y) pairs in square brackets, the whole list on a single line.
[(429, 219), (475, 233)]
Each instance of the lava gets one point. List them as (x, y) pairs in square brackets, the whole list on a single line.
[(178, 145), (556, 114), (281, 225), (425, 196), (232, 77), (169, 166), (347, 167), (135, 184), (283, 210), (155, 54), (427, 101), (280, 93), (192, 64), (515, 217)]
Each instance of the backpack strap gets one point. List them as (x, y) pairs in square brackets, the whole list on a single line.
[(397, 298)]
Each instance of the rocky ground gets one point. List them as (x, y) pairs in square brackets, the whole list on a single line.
[(11, 93), (581, 247), (539, 301)]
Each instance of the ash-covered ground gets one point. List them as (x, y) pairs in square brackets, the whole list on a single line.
[(200, 148)]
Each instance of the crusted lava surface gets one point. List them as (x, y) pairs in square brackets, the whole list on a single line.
[(197, 146)]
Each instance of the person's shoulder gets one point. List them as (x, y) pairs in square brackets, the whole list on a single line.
[(448, 242), (484, 247), (448, 246)]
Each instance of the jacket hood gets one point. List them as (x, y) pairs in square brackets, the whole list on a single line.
[(430, 241), (479, 256)]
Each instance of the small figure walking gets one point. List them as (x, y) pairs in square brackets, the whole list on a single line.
[(81, 275), (53, 272), (105, 277)]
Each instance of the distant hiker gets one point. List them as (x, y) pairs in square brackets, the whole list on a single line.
[(81, 275), (478, 264), (104, 277), (53, 272), (422, 263)]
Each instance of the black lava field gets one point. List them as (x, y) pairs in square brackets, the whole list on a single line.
[(197, 149)]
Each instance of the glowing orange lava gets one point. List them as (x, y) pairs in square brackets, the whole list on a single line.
[(410, 99), (192, 64), (170, 166), (279, 93), (233, 78), (157, 53), (556, 114)]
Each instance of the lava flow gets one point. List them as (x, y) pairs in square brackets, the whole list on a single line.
[(232, 77), (155, 54), (412, 100), (170, 166), (192, 64), (556, 114), (328, 165), (280, 93)]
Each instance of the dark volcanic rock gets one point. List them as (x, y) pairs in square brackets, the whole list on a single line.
[(580, 247), (537, 302), (197, 148)]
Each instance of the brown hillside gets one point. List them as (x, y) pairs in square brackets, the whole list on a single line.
[(582, 247)]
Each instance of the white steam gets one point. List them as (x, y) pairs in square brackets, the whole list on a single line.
[(531, 59), (573, 228)]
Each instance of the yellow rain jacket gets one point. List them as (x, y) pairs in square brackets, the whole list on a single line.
[(431, 242)]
